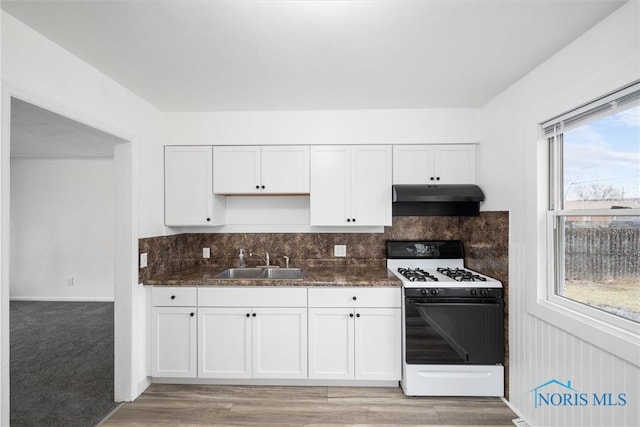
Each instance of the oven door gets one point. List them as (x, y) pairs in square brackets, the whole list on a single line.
[(454, 331)]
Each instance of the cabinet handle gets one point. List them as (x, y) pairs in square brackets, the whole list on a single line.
[(354, 298), (254, 315), (350, 314), (191, 314), (208, 219), (358, 315), (173, 297)]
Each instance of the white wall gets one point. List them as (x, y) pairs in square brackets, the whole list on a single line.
[(603, 59), (62, 228), (453, 125)]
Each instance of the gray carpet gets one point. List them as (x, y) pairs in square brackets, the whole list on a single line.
[(61, 363)]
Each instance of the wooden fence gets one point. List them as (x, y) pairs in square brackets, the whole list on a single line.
[(604, 252)]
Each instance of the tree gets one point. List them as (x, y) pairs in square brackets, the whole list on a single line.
[(598, 192)]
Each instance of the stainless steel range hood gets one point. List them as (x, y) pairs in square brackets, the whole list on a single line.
[(437, 200)]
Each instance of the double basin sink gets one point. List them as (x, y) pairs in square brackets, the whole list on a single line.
[(261, 273)]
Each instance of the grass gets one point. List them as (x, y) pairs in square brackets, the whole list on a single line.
[(622, 297)]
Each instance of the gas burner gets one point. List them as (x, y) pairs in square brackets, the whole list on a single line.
[(417, 275), (461, 275)]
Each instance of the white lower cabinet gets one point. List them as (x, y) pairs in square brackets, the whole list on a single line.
[(349, 341), (276, 333), (174, 342), (224, 334), (279, 343), (253, 341)]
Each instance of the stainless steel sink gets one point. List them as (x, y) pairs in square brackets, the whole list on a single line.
[(240, 273), (283, 273), (272, 273)]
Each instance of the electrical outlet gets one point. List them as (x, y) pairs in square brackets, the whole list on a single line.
[(339, 250), (70, 281), (206, 252), (143, 260)]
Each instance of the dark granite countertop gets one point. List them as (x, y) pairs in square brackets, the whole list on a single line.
[(314, 276)]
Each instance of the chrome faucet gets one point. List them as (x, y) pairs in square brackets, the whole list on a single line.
[(264, 258), (286, 261)]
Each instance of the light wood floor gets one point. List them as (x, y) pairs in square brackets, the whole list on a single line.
[(210, 405)]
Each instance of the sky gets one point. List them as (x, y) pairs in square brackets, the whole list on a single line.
[(605, 152)]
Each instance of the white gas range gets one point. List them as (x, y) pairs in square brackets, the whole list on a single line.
[(452, 323)]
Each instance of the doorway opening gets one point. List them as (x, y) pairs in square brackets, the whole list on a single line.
[(71, 257)]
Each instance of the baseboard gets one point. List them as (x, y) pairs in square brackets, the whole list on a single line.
[(514, 409), (275, 382), (64, 299)]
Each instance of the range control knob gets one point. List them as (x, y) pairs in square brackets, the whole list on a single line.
[(423, 292), (474, 292), (484, 292), (434, 291)]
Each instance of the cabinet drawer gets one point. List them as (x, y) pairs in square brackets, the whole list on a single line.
[(355, 297), (252, 297), (171, 296)]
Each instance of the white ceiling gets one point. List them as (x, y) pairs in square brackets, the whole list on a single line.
[(184, 55), (36, 132)]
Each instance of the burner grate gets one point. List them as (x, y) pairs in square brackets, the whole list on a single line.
[(417, 275), (461, 275)]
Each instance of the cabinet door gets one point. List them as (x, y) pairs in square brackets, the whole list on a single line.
[(285, 169), (188, 195), (371, 194), (330, 186), (224, 349), (331, 343), (173, 342), (413, 164), (378, 344), (236, 170), (279, 343), (456, 164)]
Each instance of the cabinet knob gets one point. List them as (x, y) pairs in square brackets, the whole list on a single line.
[(173, 297), (248, 315), (257, 187), (354, 298), (262, 187), (254, 315), (192, 314), (348, 219), (437, 178), (350, 314), (432, 178), (208, 219), (358, 315), (353, 220)]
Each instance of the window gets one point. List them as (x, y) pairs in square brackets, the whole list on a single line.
[(594, 208)]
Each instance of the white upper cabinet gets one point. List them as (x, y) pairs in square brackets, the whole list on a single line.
[(188, 187), (434, 164), (261, 170), (350, 185)]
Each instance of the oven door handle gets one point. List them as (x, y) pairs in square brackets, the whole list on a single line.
[(443, 302)]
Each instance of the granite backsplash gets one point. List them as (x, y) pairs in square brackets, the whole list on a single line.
[(485, 239)]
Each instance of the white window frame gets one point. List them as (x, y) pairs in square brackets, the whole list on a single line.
[(612, 333)]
